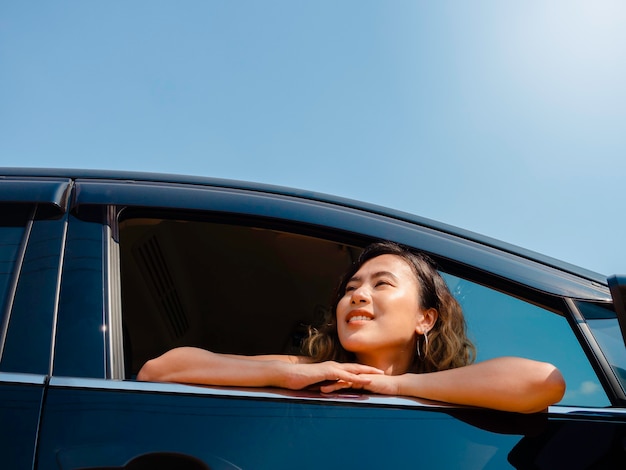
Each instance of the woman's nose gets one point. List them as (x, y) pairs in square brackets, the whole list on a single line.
[(359, 295)]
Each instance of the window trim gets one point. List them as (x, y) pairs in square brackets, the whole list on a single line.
[(296, 396), (260, 393), (57, 295), (24, 379), (113, 297)]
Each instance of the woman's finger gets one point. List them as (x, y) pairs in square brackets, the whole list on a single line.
[(338, 385), (351, 377)]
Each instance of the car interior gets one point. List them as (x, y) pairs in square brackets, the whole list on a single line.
[(228, 288)]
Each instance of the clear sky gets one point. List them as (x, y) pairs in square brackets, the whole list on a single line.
[(504, 118)]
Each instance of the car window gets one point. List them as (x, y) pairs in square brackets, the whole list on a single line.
[(254, 288), (81, 326), (227, 288), (29, 323), (502, 325), (12, 229)]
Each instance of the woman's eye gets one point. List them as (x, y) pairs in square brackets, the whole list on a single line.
[(350, 288)]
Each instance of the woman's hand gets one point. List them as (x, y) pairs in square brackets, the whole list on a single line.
[(341, 375), (383, 385), (375, 383)]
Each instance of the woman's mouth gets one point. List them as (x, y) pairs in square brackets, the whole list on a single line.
[(359, 318)]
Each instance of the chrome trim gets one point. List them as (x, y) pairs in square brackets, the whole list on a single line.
[(586, 412), (17, 378), (57, 295), (112, 321), (259, 393), (19, 262), (239, 392)]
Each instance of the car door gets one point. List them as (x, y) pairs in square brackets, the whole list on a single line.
[(153, 265), (32, 225)]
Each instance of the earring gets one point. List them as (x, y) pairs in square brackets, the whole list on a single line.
[(419, 352)]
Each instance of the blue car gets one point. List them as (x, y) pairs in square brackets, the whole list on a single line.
[(103, 271)]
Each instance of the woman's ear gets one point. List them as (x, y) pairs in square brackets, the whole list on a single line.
[(429, 317)]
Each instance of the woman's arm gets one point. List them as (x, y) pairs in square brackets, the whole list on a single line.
[(199, 366), (506, 383)]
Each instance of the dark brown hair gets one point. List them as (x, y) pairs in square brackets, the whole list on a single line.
[(447, 346)]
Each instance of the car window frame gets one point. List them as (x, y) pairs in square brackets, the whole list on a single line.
[(135, 199)]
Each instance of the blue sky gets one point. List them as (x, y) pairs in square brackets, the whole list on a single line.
[(502, 118)]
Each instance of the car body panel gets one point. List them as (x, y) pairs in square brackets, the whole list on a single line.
[(21, 397), (279, 430)]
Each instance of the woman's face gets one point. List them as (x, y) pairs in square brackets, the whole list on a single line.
[(380, 311)]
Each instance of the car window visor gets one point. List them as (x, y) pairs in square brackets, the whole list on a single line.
[(51, 193)]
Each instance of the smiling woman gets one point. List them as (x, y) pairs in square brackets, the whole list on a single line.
[(389, 278), (387, 305)]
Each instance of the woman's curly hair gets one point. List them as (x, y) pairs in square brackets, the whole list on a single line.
[(447, 346)]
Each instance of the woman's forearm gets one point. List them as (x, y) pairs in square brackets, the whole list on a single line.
[(507, 383), (198, 366)]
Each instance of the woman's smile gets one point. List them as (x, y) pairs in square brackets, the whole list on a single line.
[(359, 315), (356, 318)]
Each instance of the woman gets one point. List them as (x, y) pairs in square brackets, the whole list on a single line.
[(397, 330)]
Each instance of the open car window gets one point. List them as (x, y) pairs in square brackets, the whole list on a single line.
[(227, 288), (254, 288)]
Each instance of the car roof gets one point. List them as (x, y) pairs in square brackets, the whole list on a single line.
[(117, 175)]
